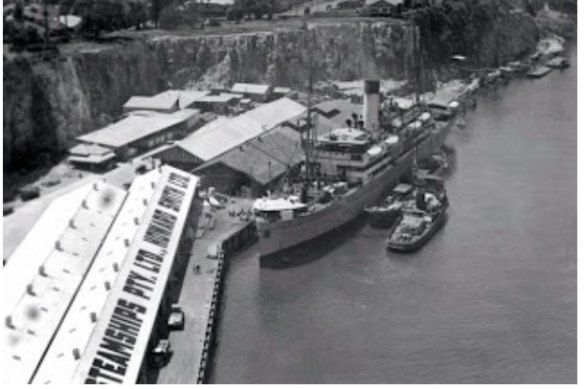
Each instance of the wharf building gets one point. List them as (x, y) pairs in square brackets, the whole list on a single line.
[(256, 92), (219, 102), (165, 102), (87, 292), (253, 149), (138, 132)]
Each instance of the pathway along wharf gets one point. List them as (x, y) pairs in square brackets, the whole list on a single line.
[(200, 296)]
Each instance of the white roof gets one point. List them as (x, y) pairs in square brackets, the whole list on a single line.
[(78, 221), (459, 57), (59, 363), (222, 2), (255, 89), (84, 149), (224, 134), (93, 158), (162, 101), (282, 89), (135, 127), (150, 258), (70, 21)]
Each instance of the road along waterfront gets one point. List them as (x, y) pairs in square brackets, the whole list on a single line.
[(490, 299)]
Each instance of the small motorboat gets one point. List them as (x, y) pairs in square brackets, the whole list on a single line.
[(383, 215), (436, 165), (558, 63)]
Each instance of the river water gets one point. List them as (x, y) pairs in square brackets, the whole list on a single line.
[(490, 299)]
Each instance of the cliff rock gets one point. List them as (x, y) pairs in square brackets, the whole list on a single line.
[(47, 104)]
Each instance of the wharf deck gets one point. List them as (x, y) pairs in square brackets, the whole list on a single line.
[(196, 299)]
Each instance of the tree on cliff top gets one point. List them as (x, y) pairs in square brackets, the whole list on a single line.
[(455, 28), (157, 6), (100, 15), (180, 15)]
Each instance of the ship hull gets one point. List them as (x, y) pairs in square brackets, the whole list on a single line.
[(276, 237)]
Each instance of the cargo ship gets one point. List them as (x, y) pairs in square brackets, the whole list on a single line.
[(356, 167)]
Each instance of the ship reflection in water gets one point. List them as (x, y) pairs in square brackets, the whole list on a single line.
[(490, 299)]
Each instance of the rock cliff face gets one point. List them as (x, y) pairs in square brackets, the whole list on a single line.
[(48, 104)]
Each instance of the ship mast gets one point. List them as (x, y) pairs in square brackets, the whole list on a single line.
[(418, 62), (309, 136), (418, 70)]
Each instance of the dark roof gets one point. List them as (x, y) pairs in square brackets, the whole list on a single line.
[(320, 123), (339, 110), (223, 134), (265, 158)]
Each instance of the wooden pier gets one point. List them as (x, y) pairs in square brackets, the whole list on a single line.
[(200, 296)]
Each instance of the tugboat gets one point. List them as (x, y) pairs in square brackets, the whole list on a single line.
[(417, 224)]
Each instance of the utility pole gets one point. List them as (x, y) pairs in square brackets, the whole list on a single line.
[(417, 58), (46, 21)]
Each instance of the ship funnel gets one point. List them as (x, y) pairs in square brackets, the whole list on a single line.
[(371, 105)]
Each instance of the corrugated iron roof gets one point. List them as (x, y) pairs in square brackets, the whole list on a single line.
[(134, 127), (59, 364), (162, 101), (256, 89), (89, 149), (282, 90), (166, 99), (266, 157), (223, 134), (46, 269), (158, 277)]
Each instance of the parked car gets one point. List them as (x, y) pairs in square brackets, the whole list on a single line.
[(8, 209), (161, 352), (141, 169), (52, 182), (176, 320), (29, 193)]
